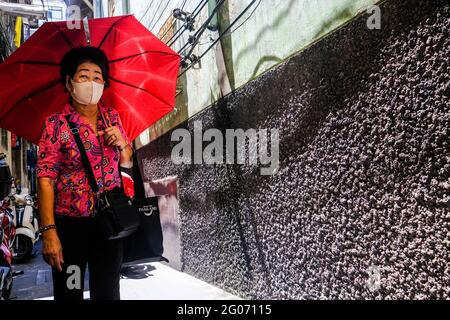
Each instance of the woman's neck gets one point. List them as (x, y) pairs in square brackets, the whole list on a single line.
[(88, 111)]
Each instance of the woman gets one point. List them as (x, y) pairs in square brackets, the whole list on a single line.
[(71, 238)]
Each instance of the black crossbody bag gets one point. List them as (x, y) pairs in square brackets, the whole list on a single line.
[(116, 213)]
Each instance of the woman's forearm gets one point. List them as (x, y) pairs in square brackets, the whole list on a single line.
[(51, 245), (126, 156), (46, 196)]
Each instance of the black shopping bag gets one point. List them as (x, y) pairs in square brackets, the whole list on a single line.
[(146, 243)]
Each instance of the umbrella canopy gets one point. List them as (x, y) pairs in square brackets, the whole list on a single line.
[(143, 74)]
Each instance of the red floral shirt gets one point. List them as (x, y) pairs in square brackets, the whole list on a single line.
[(60, 160)]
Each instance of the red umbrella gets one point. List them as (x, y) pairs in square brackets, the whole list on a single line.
[(143, 74)]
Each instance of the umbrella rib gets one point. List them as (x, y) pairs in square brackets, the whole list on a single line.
[(136, 87), (142, 53), (48, 63), (63, 35), (109, 31), (49, 86)]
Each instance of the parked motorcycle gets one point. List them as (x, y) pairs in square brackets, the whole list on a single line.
[(6, 237), (7, 231), (26, 222), (35, 205)]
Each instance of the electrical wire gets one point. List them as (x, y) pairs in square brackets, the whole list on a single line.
[(202, 29), (231, 31), (243, 22), (183, 28), (173, 23), (160, 16), (182, 4), (220, 36), (156, 12), (167, 31), (146, 11), (176, 32)]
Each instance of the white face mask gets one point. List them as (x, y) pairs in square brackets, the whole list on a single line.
[(86, 92)]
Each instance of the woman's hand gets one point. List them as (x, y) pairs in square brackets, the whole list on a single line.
[(51, 246), (113, 137), (52, 250)]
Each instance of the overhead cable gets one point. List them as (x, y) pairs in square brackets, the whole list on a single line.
[(218, 39), (187, 25)]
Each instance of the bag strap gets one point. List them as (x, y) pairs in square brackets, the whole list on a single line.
[(139, 190), (84, 158)]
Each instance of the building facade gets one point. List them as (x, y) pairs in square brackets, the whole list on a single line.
[(359, 96), (17, 24)]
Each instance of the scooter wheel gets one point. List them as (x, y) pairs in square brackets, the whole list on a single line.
[(22, 248)]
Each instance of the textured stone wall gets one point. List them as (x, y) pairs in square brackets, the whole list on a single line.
[(360, 205)]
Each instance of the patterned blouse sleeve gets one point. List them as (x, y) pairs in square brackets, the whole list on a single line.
[(49, 155)]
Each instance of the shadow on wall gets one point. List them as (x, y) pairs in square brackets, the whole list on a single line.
[(263, 60), (342, 15), (325, 28), (277, 21), (231, 198)]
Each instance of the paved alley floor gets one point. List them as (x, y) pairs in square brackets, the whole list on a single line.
[(157, 281)]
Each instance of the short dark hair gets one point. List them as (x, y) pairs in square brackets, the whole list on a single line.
[(76, 56)]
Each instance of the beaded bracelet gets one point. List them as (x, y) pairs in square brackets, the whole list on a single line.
[(47, 227)]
